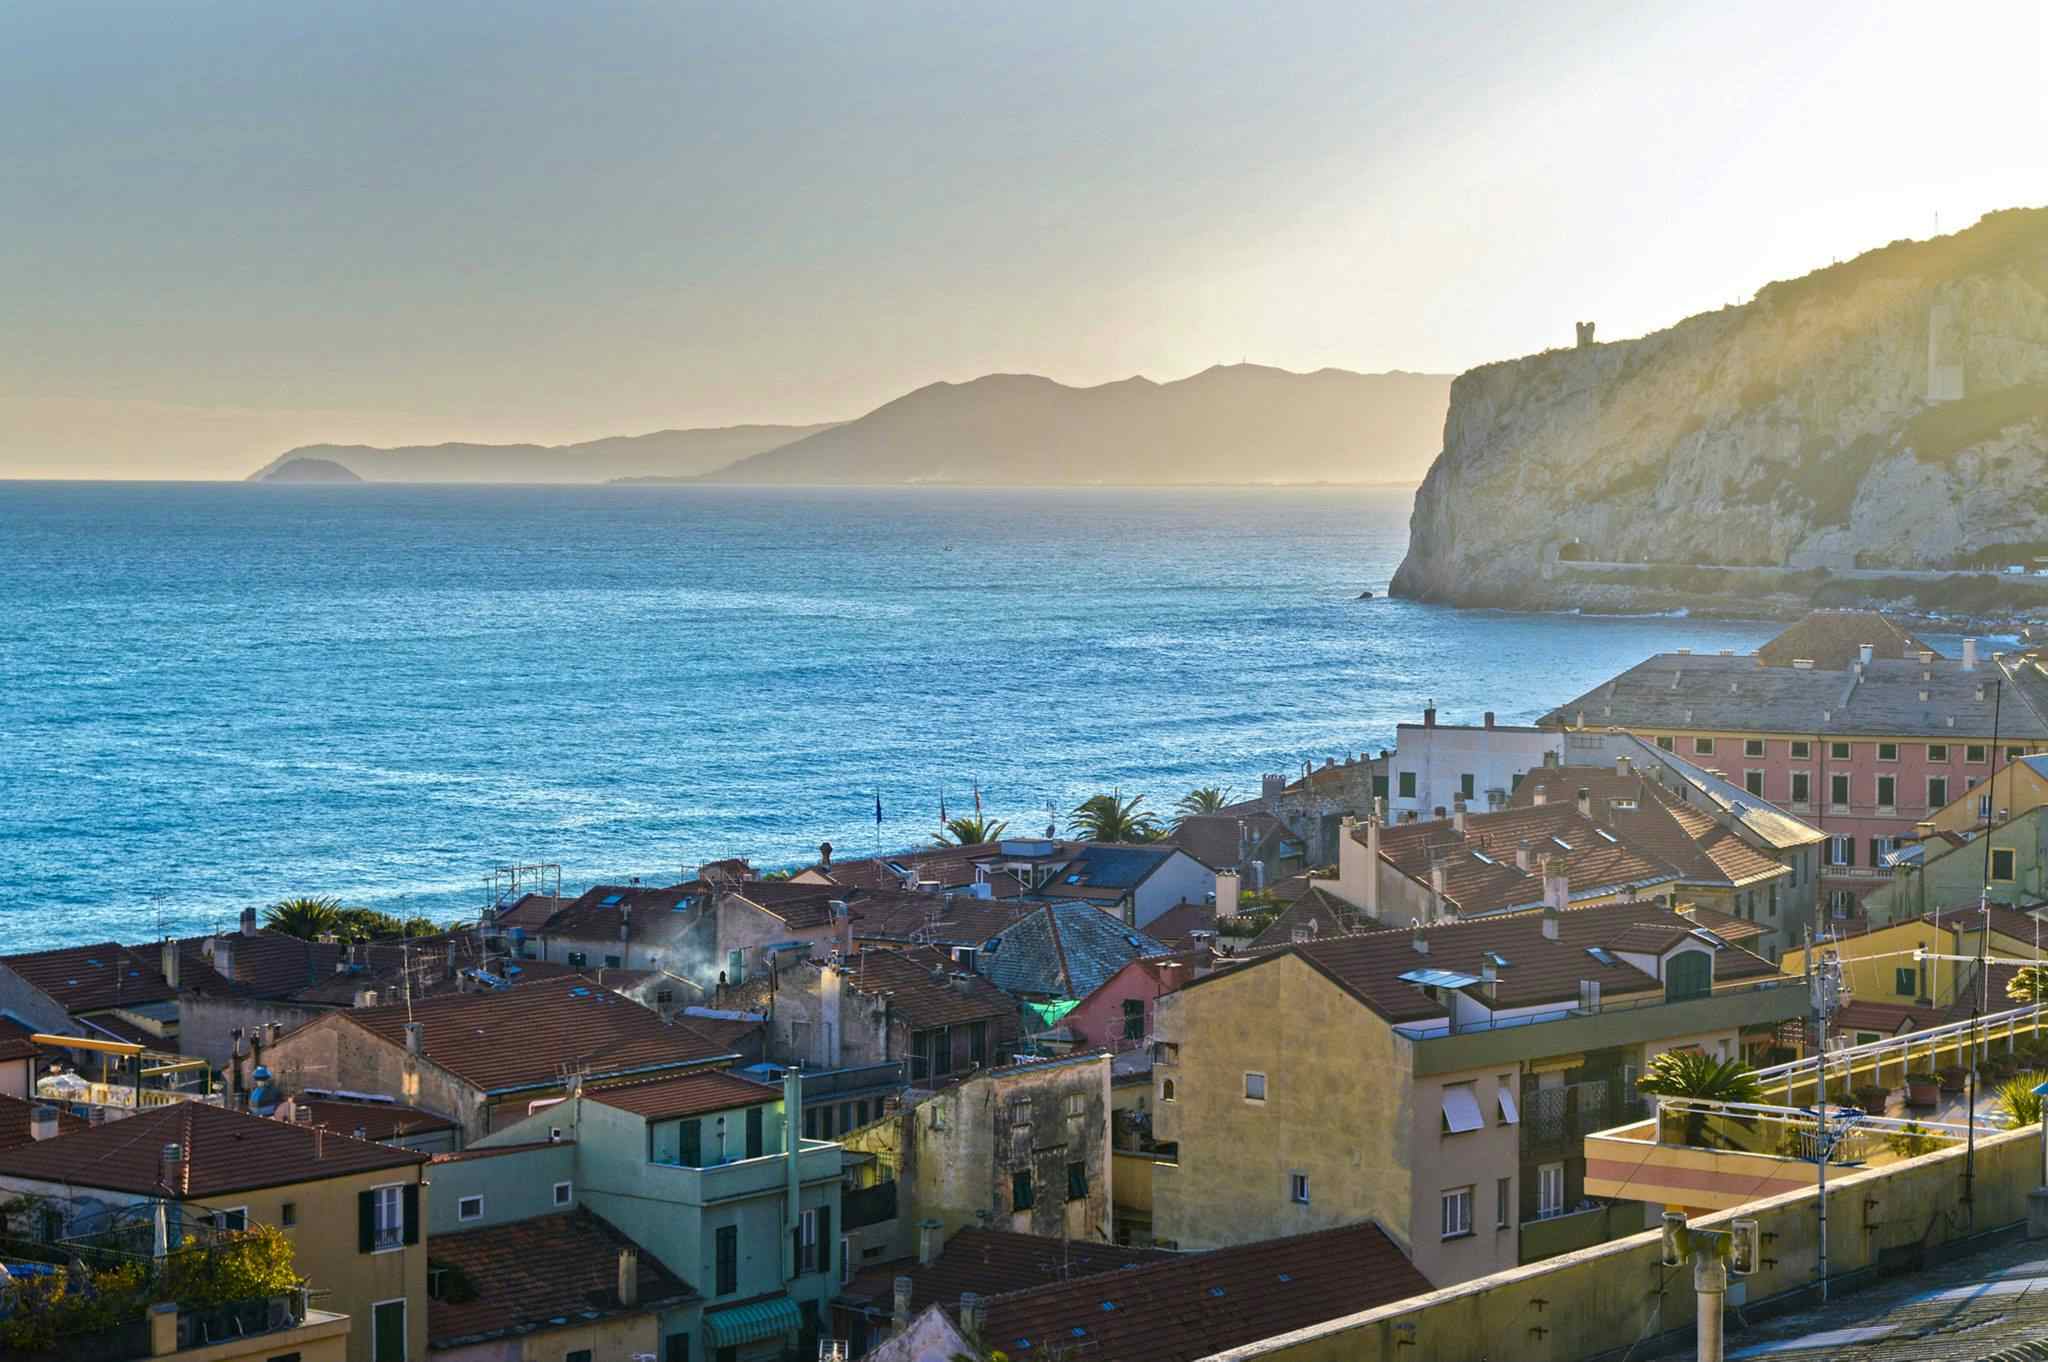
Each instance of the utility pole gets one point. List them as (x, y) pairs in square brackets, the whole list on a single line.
[(1978, 1003), (1827, 997)]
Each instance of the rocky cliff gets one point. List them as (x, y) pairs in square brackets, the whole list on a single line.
[(1890, 412)]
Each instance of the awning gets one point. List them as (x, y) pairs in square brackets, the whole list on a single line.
[(754, 1322), (1461, 1110), (1508, 1114), (1049, 1013)]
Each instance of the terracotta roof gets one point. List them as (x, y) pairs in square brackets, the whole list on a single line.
[(727, 1033), (523, 1037), (223, 1151), (14, 1122), (1369, 965), (800, 907), (645, 910), (528, 1274), (1221, 841), (689, 1094), (1480, 874), (374, 1120), (94, 978), (15, 1042), (1194, 1305), (1318, 912), (492, 1151), (531, 911), (1649, 817), (1831, 639), (1175, 927), (991, 1263), (921, 1000), (944, 919), (1724, 925)]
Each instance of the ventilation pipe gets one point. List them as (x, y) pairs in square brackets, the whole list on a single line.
[(629, 1276), (248, 922), (1863, 652), (42, 1123), (927, 1241), (170, 963), (1458, 816), (792, 1143)]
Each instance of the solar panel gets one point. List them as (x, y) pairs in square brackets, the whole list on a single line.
[(1439, 978), (608, 900)]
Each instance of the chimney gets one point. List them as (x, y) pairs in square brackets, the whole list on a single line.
[(1420, 940), (1557, 889), (415, 1036), (1523, 859), (366, 997), (42, 1123), (170, 963), (1621, 765), (1458, 815), (844, 914), (1585, 802), (963, 982), (224, 956), (899, 1319), (319, 1143), (1549, 923), (629, 1276), (825, 855), (970, 1312), (1489, 718), (625, 922), (1372, 867), (248, 922), (928, 1242), (1969, 654), (1863, 652), (1429, 715), (1226, 893)]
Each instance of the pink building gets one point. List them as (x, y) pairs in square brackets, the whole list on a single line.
[(1119, 1014)]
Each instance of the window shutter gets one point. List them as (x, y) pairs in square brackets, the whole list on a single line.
[(796, 1249), (411, 1197), (366, 1221), (825, 1240)]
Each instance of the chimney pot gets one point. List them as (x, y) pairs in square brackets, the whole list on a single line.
[(1970, 655), (1489, 718), (42, 1123), (1585, 802), (629, 1276), (1429, 716), (900, 1314), (169, 967)]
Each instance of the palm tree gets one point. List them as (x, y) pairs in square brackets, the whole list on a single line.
[(1690, 1073), (971, 829), (1112, 818), (1204, 799), (2029, 984), (305, 918)]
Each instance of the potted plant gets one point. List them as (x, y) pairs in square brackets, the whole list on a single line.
[(1872, 1099), (1912, 1141), (1922, 1090), (1953, 1078), (2018, 1100)]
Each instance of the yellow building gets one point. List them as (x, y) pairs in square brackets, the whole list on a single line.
[(1439, 1082), (1891, 991), (2015, 788), (355, 1211), (321, 1336)]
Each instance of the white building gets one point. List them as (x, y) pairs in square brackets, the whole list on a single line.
[(1434, 765)]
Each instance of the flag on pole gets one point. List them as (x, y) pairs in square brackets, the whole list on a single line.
[(878, 808), (942, 806)]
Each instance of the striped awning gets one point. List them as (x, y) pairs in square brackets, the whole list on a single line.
[(753, 1322)]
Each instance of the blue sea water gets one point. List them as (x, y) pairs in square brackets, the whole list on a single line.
[(215, 695)]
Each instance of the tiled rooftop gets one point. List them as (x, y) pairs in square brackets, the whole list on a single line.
[(1221, 840), (14, 1122), (1065, 950), (530, 1274), (1832, 639), (992, 1262), (1317, 912), (1192, 1305), (690, 1094), (1480, 871), (499, 1041), (223, 1151), (375, 1120), (922, 998), (93, 978)]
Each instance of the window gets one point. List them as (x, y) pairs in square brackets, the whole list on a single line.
[(1297, 1188), (2001, 863), (1077, 1182), (1838, 751), (1461, 1109), (977, 1045), (1021, 1198), (288, 1214), (1906, 981), (387, 1331), (1134, 1019), (1752, 747), (1504, 1100), (1983, 806), (1887, 792), (1467, 784), (1838, 791), (756, 1142), (564, 1192), (1841, 850), (576, 1355), (1802, 787), (1667, 743), (470, 1208), (845, 1259), (1841, 903), (1974, 753), (727, 1248), (1550, 1190), (1753, 781), (577, 959), (1166, 1090), (1254, 1087), (1502, 1189), (807, 1242), (387, 1218), (1937, 751), (1076, 1106), (236, 1219), (1457, 1212), (1802, 750), (1887, 751), (1407, 784), (1703, 747), (735, 967), (612, 962), (1881, 847), (676, 1348), (1937, 792)]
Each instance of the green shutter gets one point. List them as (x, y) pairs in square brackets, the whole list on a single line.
[(366, 1221), (411, 1197), (754, 1141), (693, 1144), (825, 1240)]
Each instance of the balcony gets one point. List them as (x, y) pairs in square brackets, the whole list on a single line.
[(1555, 1120), (1573, 1030), (817, 1161)]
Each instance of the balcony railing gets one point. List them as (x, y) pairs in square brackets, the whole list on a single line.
[(1554, 1119), (1444, 1027)]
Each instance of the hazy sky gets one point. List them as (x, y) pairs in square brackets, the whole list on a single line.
[(229, 228)]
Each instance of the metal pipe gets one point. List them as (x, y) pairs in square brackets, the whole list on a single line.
[(1710, 1285)]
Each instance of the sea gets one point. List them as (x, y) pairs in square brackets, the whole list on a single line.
[(214, 696)]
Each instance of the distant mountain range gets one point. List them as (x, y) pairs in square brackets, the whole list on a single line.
[(1233, 423), (665, 453)]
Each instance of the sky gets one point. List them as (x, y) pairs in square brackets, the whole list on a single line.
[(229, 228)]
